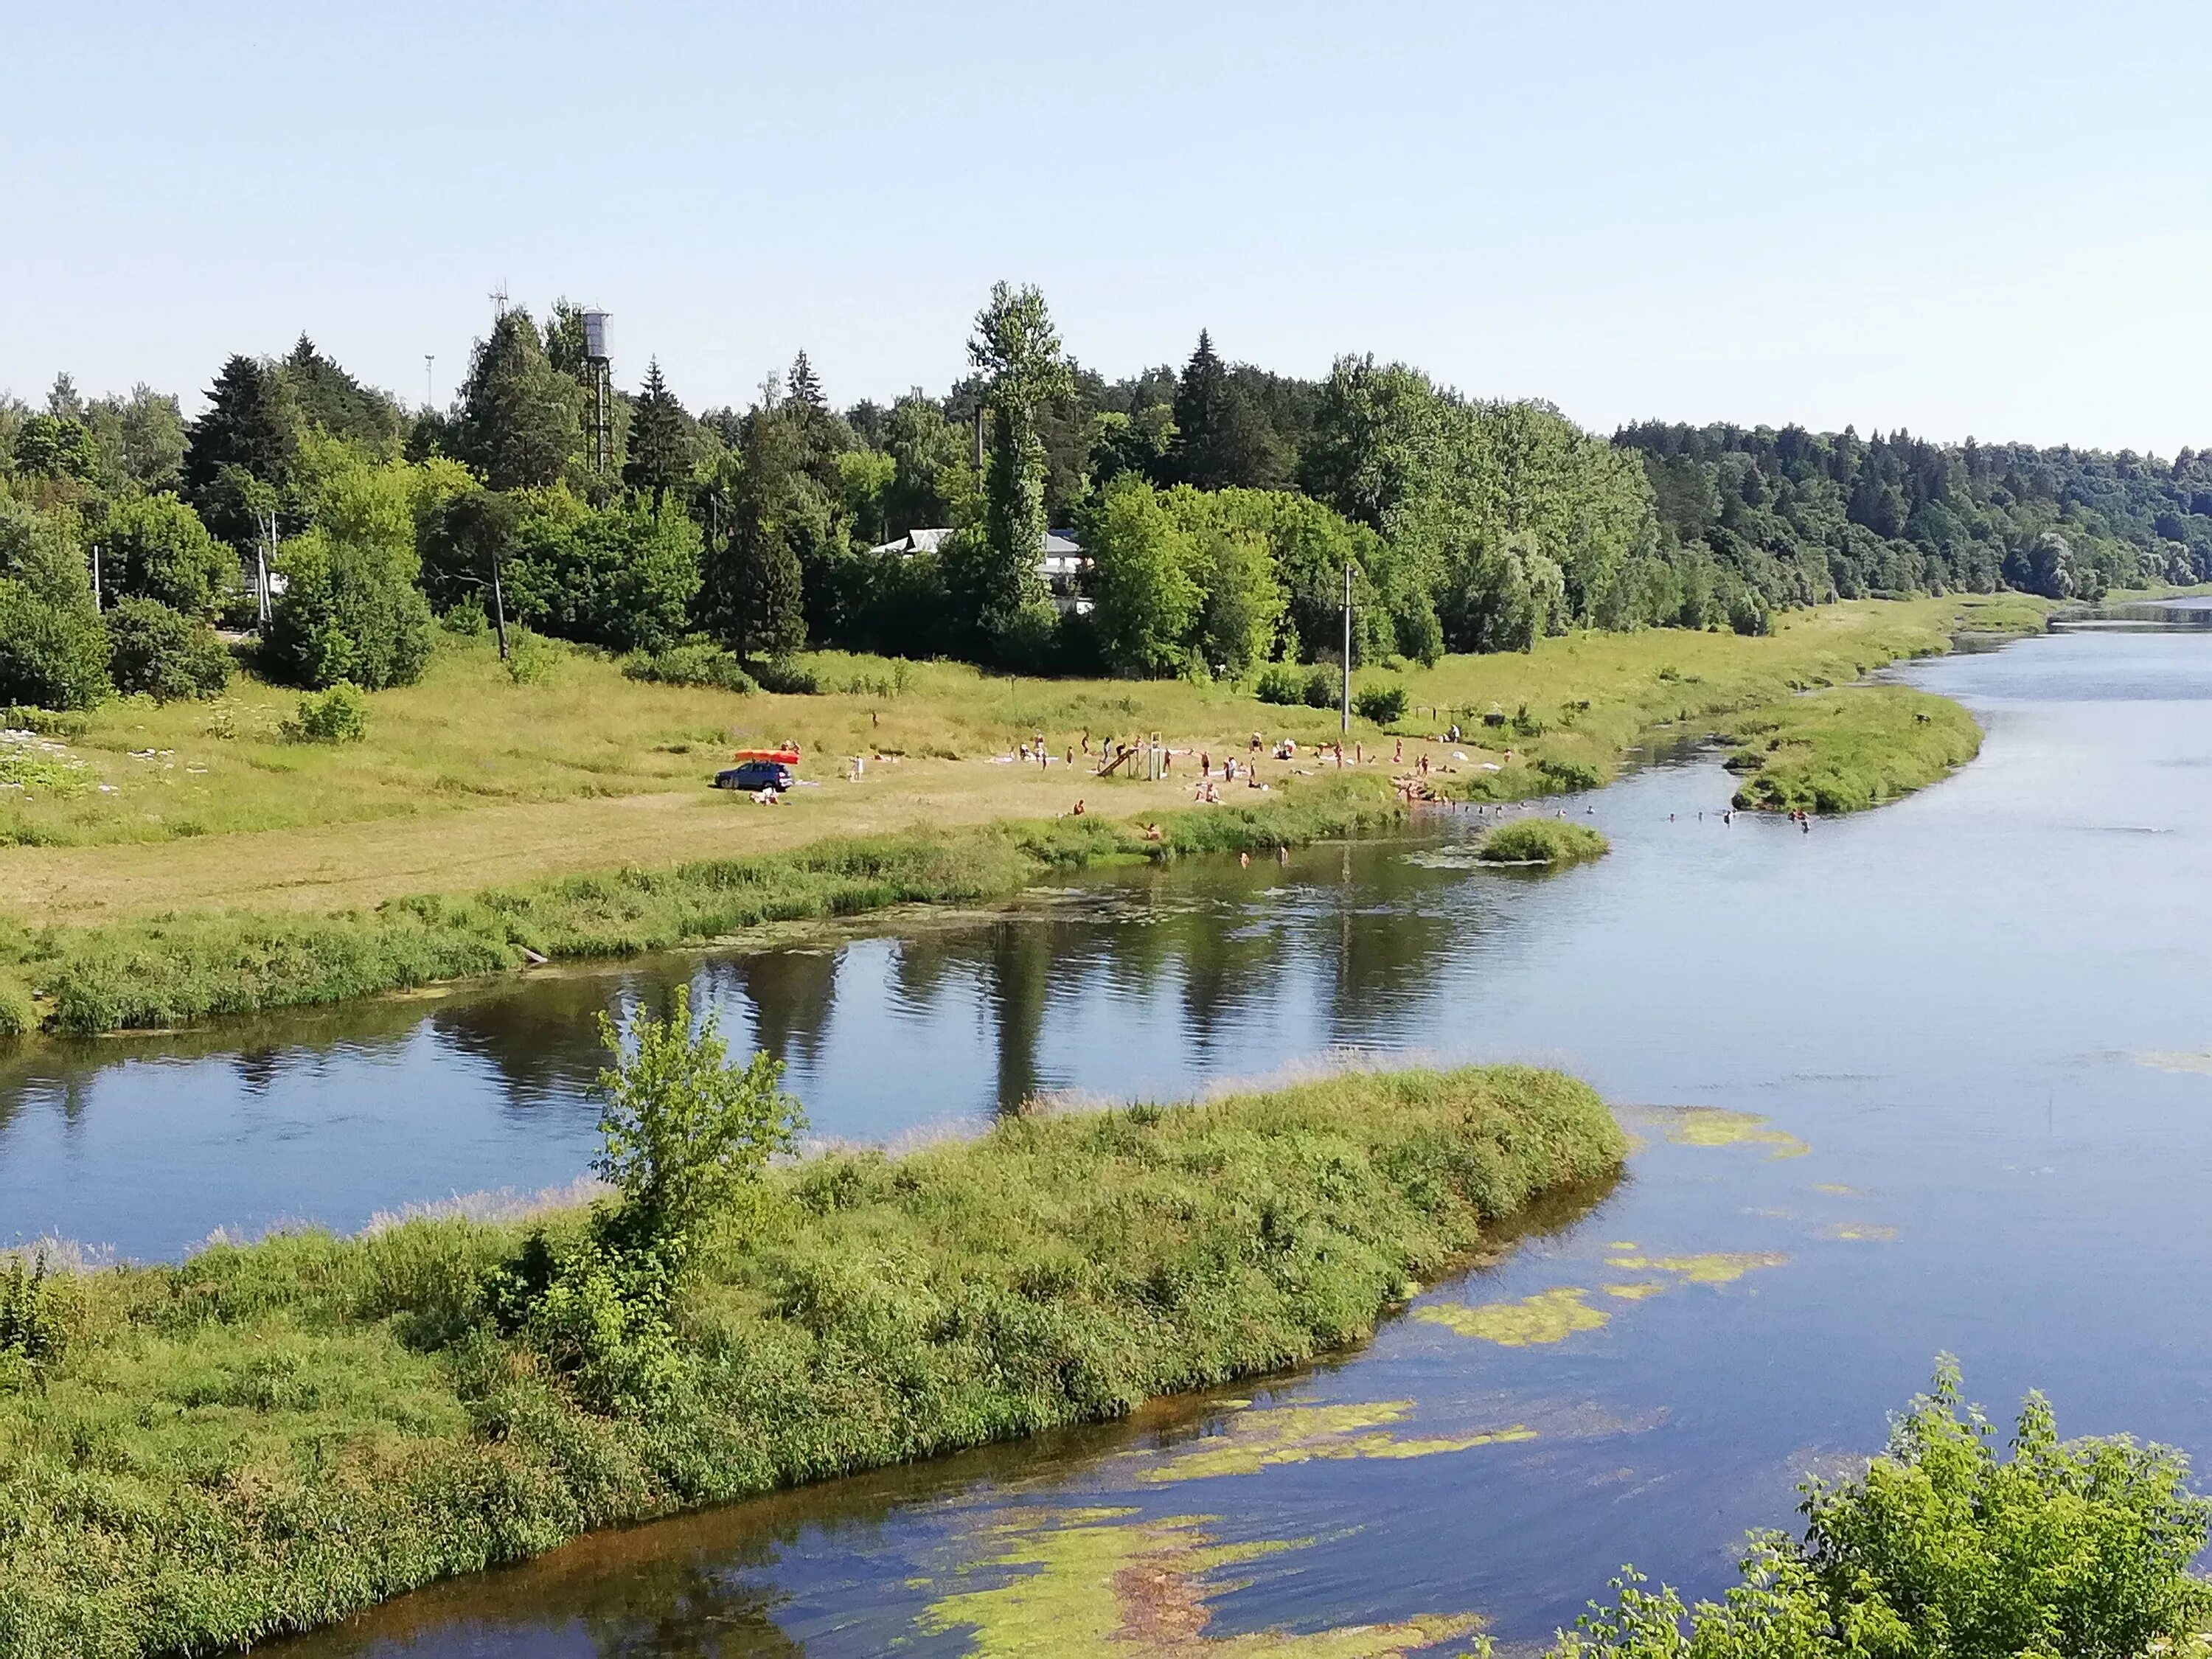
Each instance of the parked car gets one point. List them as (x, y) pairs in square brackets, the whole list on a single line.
[(755, 775)]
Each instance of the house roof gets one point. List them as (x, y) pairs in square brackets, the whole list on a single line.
[(1055, 543)]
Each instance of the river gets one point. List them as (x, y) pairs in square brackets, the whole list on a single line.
[(1938, 1078)]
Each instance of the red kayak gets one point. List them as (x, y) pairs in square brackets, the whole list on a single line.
[(789, 757)]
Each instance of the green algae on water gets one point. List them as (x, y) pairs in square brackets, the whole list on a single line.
[(1548, 1316), (1717, 1267), (1717, 1125), (1102, 1583), (1253, 1440)]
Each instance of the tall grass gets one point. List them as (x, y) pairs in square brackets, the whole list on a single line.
[(187, 968), (1847, 750), (263, 1439), (1542, 840)]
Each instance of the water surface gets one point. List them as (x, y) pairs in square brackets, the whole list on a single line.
[(1935, 1078)]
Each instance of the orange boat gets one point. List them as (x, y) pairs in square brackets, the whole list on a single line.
[(789, 757)]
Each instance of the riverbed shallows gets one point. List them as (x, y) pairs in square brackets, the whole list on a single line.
[(264, 1438)]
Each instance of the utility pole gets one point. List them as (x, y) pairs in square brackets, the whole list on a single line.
[(97, 603), (1347, 647), (429, 391), (261, 558)]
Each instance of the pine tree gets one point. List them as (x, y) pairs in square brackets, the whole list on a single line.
[(660, 443)]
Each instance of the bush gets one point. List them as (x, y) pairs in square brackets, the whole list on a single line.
[(788, 677), (1281, 683), (54, 651), (158, 549), (350, 611), (624, 578), (30, 1333), (19, 1015), (695, 663), (1323, 686), (531, 659), (339, 715), (54, 656), (1385, 705), (1542, 840), (683, 1135), (2072, 1548), (172, 657)]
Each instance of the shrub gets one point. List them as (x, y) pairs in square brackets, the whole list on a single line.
[(158, 549), (1542, 840), (694, 663), (1323, 685), (31, 1335), (172, 657), (531, 659), (1280, 682), (684, 1133), (339, 715), (350, 611), (1385, 705), (1562, 774), (467, 618), (19, 1015), (787, 676), (2073, 1548)]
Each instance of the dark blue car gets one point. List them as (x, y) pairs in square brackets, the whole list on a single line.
[(755, 775)]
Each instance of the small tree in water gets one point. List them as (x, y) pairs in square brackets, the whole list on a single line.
[(684, 1134)]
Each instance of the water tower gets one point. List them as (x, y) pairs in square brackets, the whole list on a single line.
[(595, 353)]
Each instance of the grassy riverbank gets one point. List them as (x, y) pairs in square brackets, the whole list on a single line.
[(262, 1438), (176, 971), (217, 870), (1567, 715), (1847, 750), (472, 780)]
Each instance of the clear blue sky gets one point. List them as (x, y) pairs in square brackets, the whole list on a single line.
[(1985, 219)]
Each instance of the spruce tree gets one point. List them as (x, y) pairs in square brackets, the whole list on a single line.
[(805, 386), (661, 446), (248, 427), (522, 419), (327, 396), (753, 595), (1201, 406)]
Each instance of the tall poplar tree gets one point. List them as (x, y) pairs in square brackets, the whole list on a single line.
[(1018, 354)]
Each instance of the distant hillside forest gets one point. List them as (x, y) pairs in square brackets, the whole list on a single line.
[(1220, 505)]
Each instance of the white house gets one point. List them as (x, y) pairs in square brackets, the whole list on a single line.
[(1061, 563)]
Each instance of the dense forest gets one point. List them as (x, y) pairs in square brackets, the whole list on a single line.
[(332, 531)]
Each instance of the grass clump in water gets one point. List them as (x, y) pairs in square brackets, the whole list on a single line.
[(1542, 840), (265, 1437), (1846, 750)]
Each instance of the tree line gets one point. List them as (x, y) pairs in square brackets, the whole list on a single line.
[(1224, 507)]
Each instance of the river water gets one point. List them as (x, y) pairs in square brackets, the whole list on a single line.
[(1938, 1078)]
